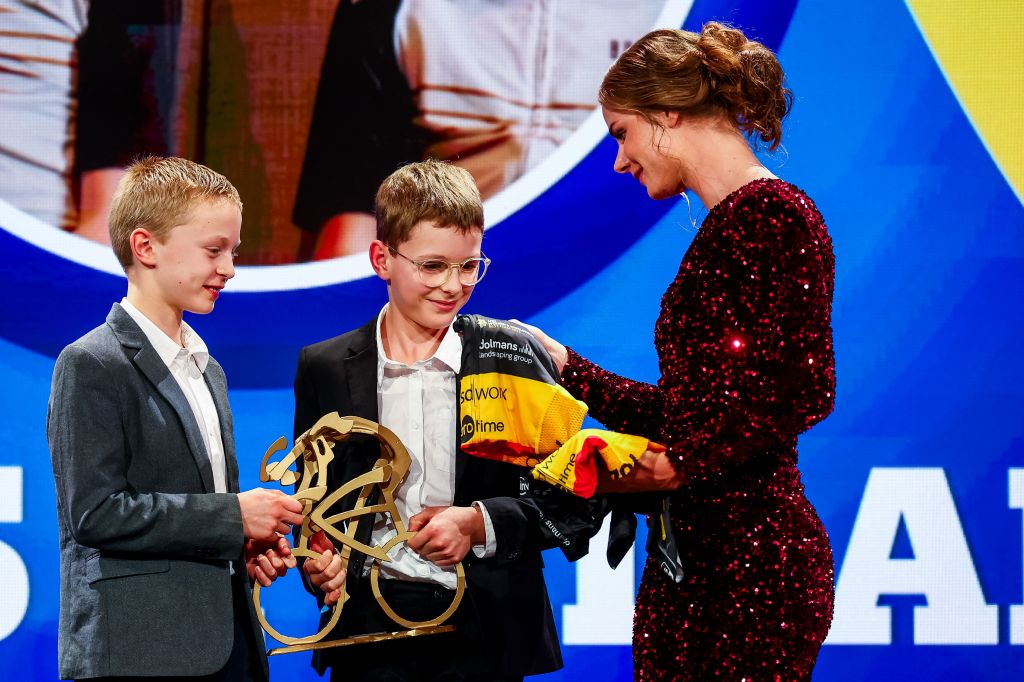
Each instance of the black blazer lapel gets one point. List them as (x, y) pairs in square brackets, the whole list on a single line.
[(470, 347), (154, 369), (360, 370)]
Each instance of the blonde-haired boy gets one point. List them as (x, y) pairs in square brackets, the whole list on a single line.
[(157, 543)]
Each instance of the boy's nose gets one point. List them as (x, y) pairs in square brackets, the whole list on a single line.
[(227, 267), (453, 285)]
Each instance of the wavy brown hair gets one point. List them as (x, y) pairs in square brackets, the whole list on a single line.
[(699, 73)]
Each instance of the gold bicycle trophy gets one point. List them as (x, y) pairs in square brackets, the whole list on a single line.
[(312, 455)]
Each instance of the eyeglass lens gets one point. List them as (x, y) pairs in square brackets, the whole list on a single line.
[(436, 272)]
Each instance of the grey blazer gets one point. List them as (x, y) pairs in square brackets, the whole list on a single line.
[(144, 541)]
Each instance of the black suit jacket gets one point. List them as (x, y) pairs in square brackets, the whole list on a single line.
[(506, 592)]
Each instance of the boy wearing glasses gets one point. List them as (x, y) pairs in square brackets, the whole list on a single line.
[(401, 370)]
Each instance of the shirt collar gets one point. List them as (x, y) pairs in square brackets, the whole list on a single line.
[(449, 351), (165, 346)]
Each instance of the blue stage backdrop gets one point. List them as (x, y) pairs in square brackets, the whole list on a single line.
[(905, 131)]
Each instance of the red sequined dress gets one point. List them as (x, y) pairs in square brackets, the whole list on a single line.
[(744, 344)]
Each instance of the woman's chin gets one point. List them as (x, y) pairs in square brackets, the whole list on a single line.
[(659, 193)]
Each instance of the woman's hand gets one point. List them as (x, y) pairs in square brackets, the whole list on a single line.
[(556, 350), (653, 473)]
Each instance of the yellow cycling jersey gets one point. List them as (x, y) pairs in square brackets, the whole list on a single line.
[(515, 419), (513, 409), (573, 466)]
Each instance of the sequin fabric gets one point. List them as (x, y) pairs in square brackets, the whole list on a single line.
[(744, 343)]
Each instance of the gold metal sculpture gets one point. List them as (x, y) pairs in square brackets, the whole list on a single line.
[(312, 455)]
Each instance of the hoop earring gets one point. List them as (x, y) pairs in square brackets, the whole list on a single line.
[(689, 214)]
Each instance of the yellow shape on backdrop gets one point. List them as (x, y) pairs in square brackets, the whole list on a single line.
[(980, 48)]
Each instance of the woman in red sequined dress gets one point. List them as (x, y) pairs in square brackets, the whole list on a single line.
[(744, 344)]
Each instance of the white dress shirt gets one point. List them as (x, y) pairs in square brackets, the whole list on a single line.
[(418, 403), (187, 364)]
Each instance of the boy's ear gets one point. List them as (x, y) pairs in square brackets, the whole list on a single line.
[(380, 259), (141, 242)]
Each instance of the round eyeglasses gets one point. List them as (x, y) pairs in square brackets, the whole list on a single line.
[(435, 272)]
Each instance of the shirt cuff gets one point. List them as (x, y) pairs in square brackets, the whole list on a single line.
[(490, 546)]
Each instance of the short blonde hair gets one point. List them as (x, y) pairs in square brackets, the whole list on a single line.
[(427, 190), (158, 193)]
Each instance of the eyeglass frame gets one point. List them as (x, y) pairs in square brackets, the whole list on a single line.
[(484, 260)]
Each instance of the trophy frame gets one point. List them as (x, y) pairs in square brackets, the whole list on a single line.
[(312, 454)]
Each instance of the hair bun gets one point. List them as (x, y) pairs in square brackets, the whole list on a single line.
[(749, 81), (718, 69), (722, 35)]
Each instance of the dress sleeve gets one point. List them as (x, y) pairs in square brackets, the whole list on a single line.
[(620, 404), (761, 363)]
